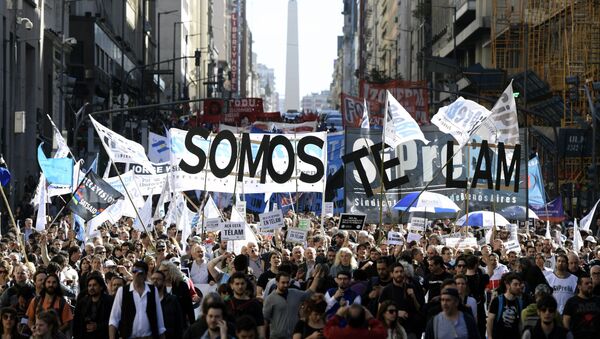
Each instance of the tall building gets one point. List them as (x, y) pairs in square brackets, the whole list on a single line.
[(292, 65), (266, 77), (316, 102)]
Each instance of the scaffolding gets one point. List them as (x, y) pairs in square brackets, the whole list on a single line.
[(561, 39)]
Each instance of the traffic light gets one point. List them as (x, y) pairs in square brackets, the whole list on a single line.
[(197, 55), (68, 86)]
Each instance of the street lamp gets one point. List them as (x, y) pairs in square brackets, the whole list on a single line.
[(158, 49), (174, 56)]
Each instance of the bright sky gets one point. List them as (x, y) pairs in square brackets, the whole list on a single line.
[(319, 24)]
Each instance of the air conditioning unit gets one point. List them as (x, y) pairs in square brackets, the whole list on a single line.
[(20, 122)]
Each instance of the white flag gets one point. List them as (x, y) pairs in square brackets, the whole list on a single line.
[(548, 235), (175, 208), (460, 119), (250, 236), (158, 148), (40, 220), (62, 149), (164, 197), (145, 218), (211, 210), (503, 123), (121, 149), (364, 121), (399, 125), (586, 221), (577, 239)]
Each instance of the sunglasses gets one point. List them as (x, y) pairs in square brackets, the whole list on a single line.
[(160, 249), (391, 310), (551, 310), (460, 266), (137, 270), (8, 316)]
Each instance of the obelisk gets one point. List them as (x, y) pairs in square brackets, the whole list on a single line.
[(292, 72)]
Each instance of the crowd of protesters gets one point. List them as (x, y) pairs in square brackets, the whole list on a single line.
[(124, 283)]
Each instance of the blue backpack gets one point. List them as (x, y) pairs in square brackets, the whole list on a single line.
[(501, 306)]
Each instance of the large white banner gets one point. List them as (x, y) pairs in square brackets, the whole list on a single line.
[(206, 180), (400, 126), (136, 196), (460, 119)]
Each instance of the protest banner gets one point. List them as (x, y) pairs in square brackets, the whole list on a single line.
[(304, 224), (270, 221), (241, 207), (417, 224), (395, 238), (296, 235), (212, 224), (352, 221), (413, 237), (328, 209), (461, 243), (233, 230)]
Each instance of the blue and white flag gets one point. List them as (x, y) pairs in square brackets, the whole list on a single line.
[(145, 216), (79, 229), (364, 121), (460, 119), (58, 171), (399, 125), (158, 148), (535, 183)]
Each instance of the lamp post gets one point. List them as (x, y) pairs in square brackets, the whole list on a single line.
[(174, 56), (158, 49)]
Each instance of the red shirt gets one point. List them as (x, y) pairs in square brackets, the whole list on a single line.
[(376, 330)]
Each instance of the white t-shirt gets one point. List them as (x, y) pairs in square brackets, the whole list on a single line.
[(564, 288)]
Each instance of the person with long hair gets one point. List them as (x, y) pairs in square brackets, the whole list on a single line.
[(344, 261), (314, 319), (51, 298), (388, 315), (47, 326), (8, 324), (175, 281)]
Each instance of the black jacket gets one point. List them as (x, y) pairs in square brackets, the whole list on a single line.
[(172, 316), (182, 292), (84, 313)]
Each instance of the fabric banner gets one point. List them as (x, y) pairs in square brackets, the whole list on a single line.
[(93, 196), (158, 148), (553, 211), (413, 95), (537, 195), (503, 123), (128, 209), (272, 127), (62, 149), (460, 119), (121, 149), (400, 127), (145, 216), (40, 220), (58, 171), (148, 183), (223, 157), (586, 222), (354, 109)]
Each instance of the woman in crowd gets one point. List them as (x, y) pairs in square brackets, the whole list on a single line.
[(47, 326), (8, 325), (314, 319), (388, 315), (344, 261)]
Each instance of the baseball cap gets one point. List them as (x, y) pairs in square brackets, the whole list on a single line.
[(590, 239), (109, 263)]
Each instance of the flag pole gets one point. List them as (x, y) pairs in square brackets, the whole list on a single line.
[(55, 129), (381, 171), (131, 200), (12, 217)]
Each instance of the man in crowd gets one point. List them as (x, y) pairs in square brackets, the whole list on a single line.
[(582, 312), (504, 316), (92, 313), (129, 318), (173, 315), (241, 303), (563, 283), (403, 295), (342, 295)]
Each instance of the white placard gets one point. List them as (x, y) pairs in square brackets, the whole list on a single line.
[(461, 243), (413, 237), (417, 224), (241, 207), (212, 224), (328, 209), (233, 230), (395, 238), (296, 235), (512, 245), (275, 206), (271, 220)]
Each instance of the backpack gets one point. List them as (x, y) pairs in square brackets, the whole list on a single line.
[(501, 306)]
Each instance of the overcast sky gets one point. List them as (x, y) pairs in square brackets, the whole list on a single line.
[(319, 24)]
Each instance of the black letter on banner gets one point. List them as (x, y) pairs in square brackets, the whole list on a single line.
[(302, 155), (223, 172), (375, 150), (246, 152), (515, 165), (355, 158), (194, 149), (484, 152), (287, 175), (450, 182)]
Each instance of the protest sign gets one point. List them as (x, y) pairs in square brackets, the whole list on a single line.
[(461, 243), (329, 209), (271, 220), (304, 224), (417, 224), (352, 221), (512, 245), (233, 230), (212, 224), (296, 235), (241, 207), (413, 237), (395, 238)]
